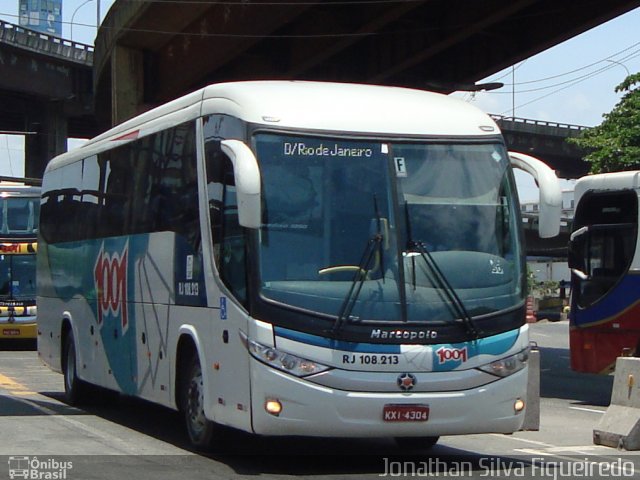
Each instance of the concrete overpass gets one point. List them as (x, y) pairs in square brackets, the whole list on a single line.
[(149, 52), (46, 92), (547, 141)]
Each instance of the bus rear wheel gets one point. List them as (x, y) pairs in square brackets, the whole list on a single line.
[(200, 429), (416, 443), (76, 391)]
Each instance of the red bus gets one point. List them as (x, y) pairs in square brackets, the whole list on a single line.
[(605, 263)]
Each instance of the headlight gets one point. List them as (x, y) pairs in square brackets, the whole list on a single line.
[(507, 366), (298, 366)]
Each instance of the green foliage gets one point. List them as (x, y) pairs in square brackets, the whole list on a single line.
[(531, 280), (548, 288), (540, 289), (614, 145)]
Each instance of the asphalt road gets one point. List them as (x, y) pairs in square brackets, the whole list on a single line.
[(122, 437)]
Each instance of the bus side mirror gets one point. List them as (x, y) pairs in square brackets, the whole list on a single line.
[(247, 177), (550, 192), (576, 249)]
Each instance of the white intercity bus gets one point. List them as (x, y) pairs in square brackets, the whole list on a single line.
[(294, 258)]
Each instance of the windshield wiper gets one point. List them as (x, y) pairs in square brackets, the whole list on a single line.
[(439, 278), (374, 245), (379, 233), (357, 282)]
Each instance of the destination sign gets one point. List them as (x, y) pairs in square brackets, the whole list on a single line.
[(18, 248)]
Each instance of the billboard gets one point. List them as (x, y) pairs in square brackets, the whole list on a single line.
[(42, 15)]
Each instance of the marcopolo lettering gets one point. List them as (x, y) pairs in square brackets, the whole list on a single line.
[(303, 150), (403, 334)]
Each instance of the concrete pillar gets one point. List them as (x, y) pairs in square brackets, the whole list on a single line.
[(50, 124), (532, 412), (619, 427), (127, 83)]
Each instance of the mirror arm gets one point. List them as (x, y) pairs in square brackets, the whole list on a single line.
[(550, 192), (580, 274), (247, 178), (578, 233)]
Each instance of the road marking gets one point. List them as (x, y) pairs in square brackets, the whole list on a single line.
[(8, 382), (121, 445), (14, 387), (586, 449), (533, 451), (525, 440), (17, 390), (111, 440), (582, 409), (551, 450), (562, 453)]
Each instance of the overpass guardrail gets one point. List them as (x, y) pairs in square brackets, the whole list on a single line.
[(538, 126), (45, 44)]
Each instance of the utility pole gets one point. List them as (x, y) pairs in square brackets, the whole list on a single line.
[(513, 91)]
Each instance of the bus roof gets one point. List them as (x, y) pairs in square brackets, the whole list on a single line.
[(606, 181), (313, 106)]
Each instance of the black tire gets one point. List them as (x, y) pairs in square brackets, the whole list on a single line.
[(76, 392), (201, 430), (416, 443)]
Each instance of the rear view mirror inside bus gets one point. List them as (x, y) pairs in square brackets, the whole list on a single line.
[(576, 253)]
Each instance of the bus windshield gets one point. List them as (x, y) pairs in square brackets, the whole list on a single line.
[(17, 277), (19, 216), (343, 212)]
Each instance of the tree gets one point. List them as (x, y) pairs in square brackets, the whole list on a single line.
[(614, 145)]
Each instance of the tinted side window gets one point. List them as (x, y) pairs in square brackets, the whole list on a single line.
[(149, 185), (92, 185), (609, 246), (117, 194), (60, 203)]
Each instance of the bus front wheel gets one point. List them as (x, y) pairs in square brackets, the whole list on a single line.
[(200, 429)]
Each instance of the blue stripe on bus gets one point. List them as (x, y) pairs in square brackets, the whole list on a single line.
[(336, 344), (495, 345), (498, 344), (623, 296)]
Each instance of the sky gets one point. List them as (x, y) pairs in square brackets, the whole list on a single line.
[(571, 83)]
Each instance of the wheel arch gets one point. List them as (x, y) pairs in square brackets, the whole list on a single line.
[(188, 345), (66, 326)]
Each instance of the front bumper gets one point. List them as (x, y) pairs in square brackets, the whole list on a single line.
[(21, 328), (312, 410)]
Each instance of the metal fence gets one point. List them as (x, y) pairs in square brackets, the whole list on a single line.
[(42, 43), (537, 126)]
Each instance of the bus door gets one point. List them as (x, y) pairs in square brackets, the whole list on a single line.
[(230, 381)]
